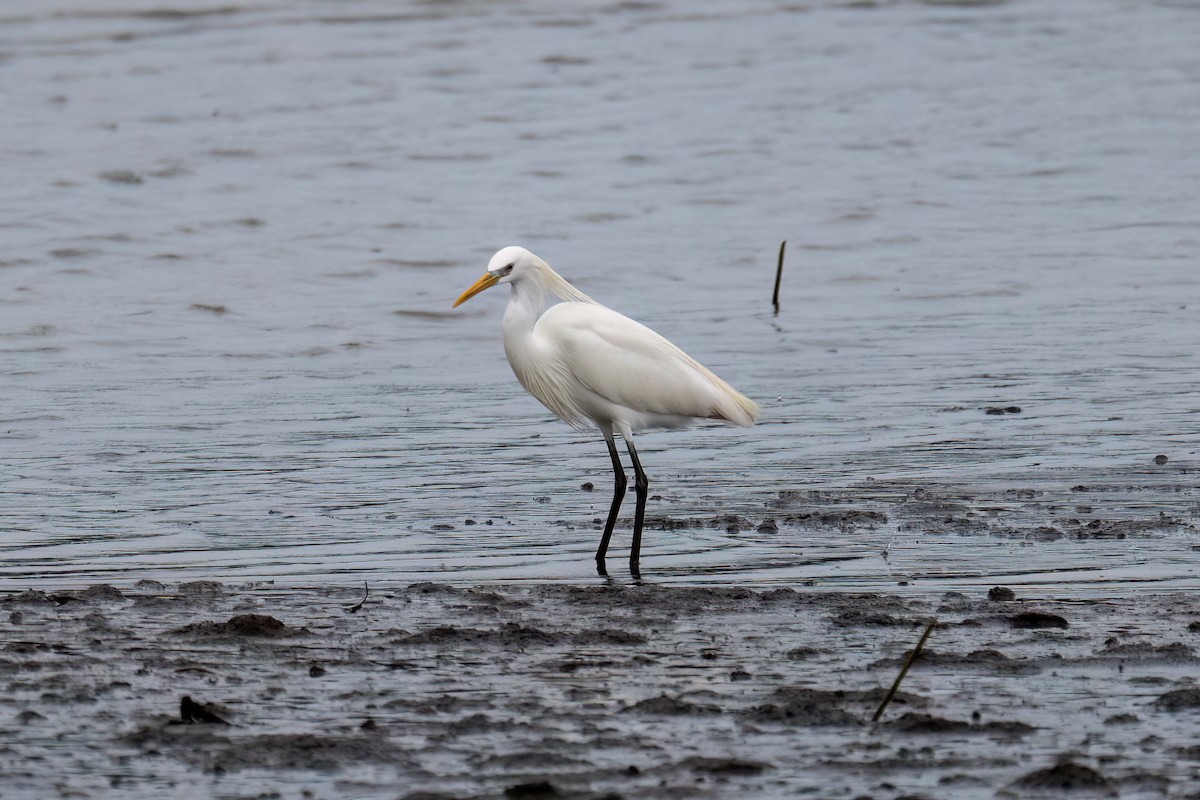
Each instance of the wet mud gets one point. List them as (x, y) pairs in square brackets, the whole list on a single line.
[(604, 691)]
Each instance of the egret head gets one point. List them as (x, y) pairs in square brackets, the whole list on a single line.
[(508, 265)]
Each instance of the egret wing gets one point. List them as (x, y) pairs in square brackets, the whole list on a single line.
[(630, 365)]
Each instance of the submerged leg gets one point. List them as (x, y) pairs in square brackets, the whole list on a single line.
[(642, 485), (618, 495)]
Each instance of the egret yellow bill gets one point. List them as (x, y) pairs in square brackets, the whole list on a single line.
[(599, 370)]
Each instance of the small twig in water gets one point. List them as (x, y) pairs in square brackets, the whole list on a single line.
[(887, 550), (778, 276), (366, 593), (904, 670)]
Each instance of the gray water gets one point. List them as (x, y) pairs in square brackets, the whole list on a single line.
[(232, 234)]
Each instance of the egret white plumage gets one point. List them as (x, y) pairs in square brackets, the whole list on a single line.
[(597, 369)]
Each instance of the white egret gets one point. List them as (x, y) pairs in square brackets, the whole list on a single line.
[(597, 369)]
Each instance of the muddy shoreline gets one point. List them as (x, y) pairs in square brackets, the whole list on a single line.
[(430, 690)]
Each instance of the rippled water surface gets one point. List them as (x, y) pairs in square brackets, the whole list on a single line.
[(232, 233)]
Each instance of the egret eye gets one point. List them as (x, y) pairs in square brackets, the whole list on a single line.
[(507, 268)]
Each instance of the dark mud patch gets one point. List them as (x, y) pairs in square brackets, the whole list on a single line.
[(255, 625), (1034, 515), (446, 704), (802, 653), (992, 660), (534, 790), (36, 597), (544, 759), (1173, 652), (1067, 777), (100, 593), (1033, 620), (724, 766), (913, 722), (731, 523), (792, 498), (1001, 594), (200, 713), (666, 704), (1123, 528), (863, 617), (607, 637), (516, 635), (512, 634), (809, 707), (848, 519), (200, 589), (1179, 700), (683, 599), (218, 752)]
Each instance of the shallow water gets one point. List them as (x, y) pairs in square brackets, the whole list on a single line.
[(231, 238)]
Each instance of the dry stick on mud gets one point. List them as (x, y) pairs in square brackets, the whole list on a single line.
[(778, 276), (904, 670)]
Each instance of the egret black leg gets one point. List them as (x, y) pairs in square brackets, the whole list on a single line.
[(618, 495), (642, 485)]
